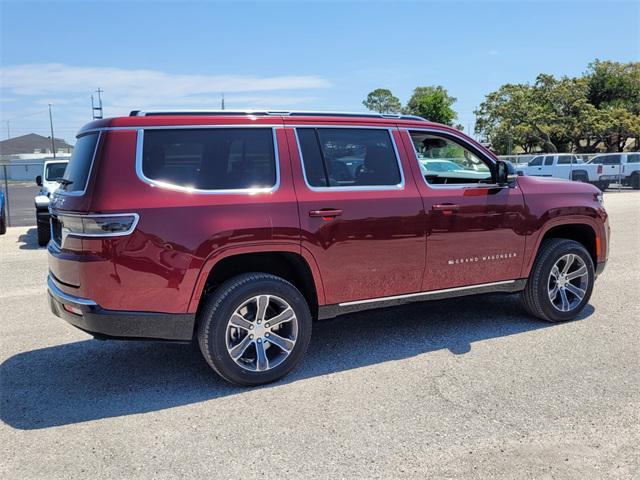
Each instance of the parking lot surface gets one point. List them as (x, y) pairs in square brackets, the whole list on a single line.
[(466, 388)]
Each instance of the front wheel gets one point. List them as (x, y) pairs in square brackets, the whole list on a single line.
[(254, 329), (560, 282)]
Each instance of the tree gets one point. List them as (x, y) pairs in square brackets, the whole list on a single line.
[(597, 110), (432, 103), (382, 100)]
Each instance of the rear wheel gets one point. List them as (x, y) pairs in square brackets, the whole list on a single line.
[(254, 329), (580, 177), (44, 234), (635, 181), (561, 281)]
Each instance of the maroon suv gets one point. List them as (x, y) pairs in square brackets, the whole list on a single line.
[(239, 229)]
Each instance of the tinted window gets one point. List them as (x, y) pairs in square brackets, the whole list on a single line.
[(444, 161), (345, 157), (55, 171), (535, 162), (612, 159), (77, 171), (548, 160), (567, 159), (633, 158), (210, 159)]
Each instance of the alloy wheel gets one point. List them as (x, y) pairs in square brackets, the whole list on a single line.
[(568, 282), (261, 333)]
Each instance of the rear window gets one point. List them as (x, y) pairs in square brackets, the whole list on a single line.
[(210, 159), (77, 171)]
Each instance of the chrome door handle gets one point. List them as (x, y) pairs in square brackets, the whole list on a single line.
[(445, 207), (326, 213)]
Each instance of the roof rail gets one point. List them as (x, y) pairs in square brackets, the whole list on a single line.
[(286, 113)]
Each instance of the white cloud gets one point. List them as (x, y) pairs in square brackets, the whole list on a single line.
[(31, 87), (55, 78)]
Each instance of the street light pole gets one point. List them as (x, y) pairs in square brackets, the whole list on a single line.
[(53, 143)]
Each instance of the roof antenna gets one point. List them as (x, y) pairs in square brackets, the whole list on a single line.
[(222, 102)]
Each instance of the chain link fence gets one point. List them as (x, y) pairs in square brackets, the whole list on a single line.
[(18, 183)]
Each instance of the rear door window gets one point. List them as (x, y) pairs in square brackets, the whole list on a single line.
[(77, 171), (211, 159), (548, 160), (633, 158), (348, 157)]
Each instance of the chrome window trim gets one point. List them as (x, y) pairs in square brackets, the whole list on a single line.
[(456, 185), (79, 193), (421, 294), (359, 188), (180, 188)]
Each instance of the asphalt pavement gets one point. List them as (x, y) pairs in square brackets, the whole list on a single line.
[(464, 388), (20, 197)]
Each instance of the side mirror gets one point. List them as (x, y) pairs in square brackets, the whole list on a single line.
[(39, 180), (507, 174)]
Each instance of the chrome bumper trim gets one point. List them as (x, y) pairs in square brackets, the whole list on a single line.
[(65, 297)]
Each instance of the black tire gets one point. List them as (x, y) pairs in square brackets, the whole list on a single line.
[(635, 181), (219, 307), (535, 295), (3, 225), (44, 234), (580, 177)]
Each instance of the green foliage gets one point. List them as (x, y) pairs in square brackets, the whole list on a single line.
[(432, 103), (595, 111), (382, 100)]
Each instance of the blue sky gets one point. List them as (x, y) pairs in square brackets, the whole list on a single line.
[(298, 55)]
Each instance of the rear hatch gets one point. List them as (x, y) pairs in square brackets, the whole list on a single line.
[(73, 196)]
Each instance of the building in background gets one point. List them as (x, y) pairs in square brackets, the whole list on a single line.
[(24, 156)]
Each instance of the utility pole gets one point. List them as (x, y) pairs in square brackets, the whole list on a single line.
[(96, 108), (53, 142), (222, 102)]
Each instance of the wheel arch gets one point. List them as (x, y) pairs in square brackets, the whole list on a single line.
[(293, 264), (580, 230)]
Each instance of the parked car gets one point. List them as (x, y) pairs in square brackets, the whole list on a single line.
[(566, 166), (449, 168), (240, 229), (623, 168), (49, 181), (3, 214)]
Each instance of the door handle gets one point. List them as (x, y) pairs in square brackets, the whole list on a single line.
[(441, 207), (445, 208), (326, 213)]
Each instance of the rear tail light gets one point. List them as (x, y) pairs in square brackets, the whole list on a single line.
[(599, 169), (113, 225)]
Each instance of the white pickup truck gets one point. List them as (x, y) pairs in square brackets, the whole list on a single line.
[(565, 166), (623, 168), (48, 182)]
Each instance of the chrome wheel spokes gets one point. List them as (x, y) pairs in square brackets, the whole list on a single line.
[(568, 282), (261, 333)]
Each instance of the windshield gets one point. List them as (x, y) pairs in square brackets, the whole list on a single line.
[(54, 171)]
